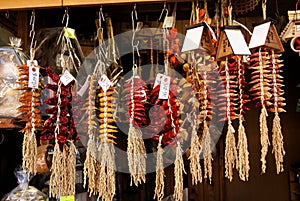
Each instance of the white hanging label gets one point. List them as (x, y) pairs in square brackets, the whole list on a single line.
[(192, 39), (85, 86), (168, 22), (259, 35), (104, 82), (66, 78), (237, 42), (34, 75), (164, 87), (158, 79), (297, 27)]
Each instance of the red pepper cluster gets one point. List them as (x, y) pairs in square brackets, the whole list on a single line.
[(67, 128), (136, 101), (266, 81), (229, 102), (169, 116)]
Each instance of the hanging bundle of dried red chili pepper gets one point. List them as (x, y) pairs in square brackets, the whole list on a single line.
[(242, 146), (228, 105), (267, 89), (31, 114), (136, 100), (60, 127), (261, 93)]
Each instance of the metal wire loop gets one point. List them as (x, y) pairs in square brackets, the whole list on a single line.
[(66, 17)]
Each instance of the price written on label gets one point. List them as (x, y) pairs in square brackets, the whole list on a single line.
[(158, 78), (67, 198), (66, 78), (104, 82), (164, 87), (34, 75)]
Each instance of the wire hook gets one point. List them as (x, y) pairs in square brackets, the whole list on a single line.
[(7, 14), (66, 16), (164, 10), (32, 35), (134, 30)]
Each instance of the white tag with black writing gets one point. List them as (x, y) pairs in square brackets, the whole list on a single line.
[(66, 78), (164, 87), (85, 86), (104, 82), (158, 79), (168, 22), (34, 75)]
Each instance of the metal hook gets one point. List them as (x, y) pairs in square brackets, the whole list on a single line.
[(2, 138), (134, 30), (164, 10), (66, 15), (7, 14)]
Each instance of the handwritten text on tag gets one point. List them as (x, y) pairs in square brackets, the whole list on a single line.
[(164, 87), (104, 82), (34, 75), (66, 78)]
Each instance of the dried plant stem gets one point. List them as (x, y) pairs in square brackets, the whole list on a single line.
[(195, 166), (230, 152), (136, 154), (243, 153), (160, 174), (277, 142), (264, 138), (178, 173), (207, 152), (71, 169), (29, 151), (90, 165), (106, 172), (56, 170)]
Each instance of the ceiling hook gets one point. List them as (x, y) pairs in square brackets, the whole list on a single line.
[(7, 14)]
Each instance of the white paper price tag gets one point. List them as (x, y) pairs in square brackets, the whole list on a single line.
[(168, 22), (164, 87), (259, 35), (104, 82), (237, 42), (158, 79), (66, 78), (192, 39), (297, 28), (34, 75)]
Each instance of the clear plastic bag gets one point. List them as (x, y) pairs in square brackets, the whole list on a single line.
[(24, 192), (10, 58)]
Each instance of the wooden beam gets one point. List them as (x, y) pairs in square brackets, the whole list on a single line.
[(8, 123), (23, 4), (28, 4)]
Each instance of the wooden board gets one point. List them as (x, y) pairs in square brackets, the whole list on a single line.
[(8, 123), (26, 4)]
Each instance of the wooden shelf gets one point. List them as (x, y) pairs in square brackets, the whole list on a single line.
[(8, 123)]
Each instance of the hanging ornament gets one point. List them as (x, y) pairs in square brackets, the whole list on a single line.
[(231, 104), (106, 185), (60, 127), (136, 151), (29, 80), (267, 83)]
